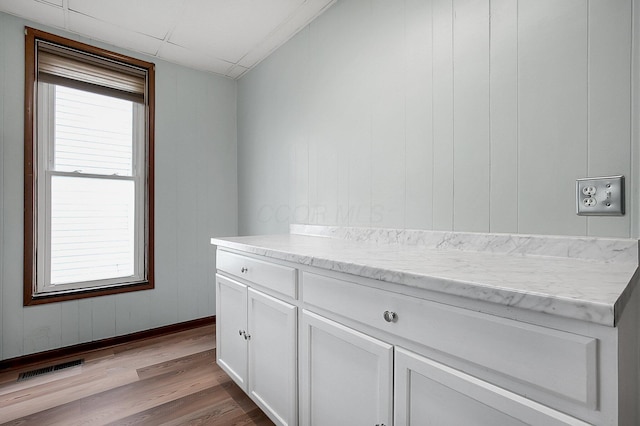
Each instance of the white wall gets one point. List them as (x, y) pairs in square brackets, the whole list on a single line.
[(196, 198), (469, 115)]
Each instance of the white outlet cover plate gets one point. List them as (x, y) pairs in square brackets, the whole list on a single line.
[(600, 196)]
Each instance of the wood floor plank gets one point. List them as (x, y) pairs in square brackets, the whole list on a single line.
[(170, 380), (254, 417), (206, 333), (129, 399), (58, 394), (181, 363), (141, 357), (208, 405)]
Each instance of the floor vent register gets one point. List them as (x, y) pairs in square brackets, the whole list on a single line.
[(51, 369)]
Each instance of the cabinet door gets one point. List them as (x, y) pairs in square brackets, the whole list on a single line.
[(272, 357), (345, 376), (431, 394), (231, 323)]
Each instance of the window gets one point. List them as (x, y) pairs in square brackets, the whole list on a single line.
[(88, 171)]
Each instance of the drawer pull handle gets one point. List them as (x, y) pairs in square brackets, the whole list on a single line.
[(243, 270), (390, 316)]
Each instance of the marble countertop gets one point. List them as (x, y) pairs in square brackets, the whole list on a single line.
[(576, 281)]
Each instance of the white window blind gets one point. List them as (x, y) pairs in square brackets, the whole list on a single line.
[(93, 133), (92, 229), (93, 225)]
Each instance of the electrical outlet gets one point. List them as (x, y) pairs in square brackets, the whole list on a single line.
[(601, 196)]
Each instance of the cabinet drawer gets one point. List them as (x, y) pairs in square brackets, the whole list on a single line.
[(558, 362), (281, 279)]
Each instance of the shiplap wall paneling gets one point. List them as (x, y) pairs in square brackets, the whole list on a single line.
[(247, 210), (609, 98), (443, 160), (219, 124), (298, 208), (326, 126), (70, 323), (552, 119), (283, 116), (323, 176), (343, 179), (419, 115), (85, 320), (2, 101), (262, 164), (12, 170), (198, 297), (295, 128), (388, 114), (103, 317), (273, 159), (354, 76), (360, 169), (633, 205), (471, 155), (516, 104), (166, 198), (187, 196), (503, 99), (132, 312), (203, 204), (42, 328), (360, 166)]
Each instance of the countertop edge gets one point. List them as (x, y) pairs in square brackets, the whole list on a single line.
[(599, 313), (621, 303)]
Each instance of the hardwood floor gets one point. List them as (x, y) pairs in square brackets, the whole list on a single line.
[(168, 380)]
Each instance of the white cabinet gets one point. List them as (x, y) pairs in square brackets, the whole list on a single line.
[(231, 323), (430, 393), (522, 357), (272, 356), (372, 353), (346, 377), (256, 345)]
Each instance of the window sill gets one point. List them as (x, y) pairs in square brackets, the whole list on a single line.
[(63, 296)]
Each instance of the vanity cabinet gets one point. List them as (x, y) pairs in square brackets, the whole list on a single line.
[(256, 336), (316, 347)]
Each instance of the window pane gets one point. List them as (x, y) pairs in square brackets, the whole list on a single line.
[(93, 133), (92, 229)]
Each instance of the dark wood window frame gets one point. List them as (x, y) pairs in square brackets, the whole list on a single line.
[(31, 297)]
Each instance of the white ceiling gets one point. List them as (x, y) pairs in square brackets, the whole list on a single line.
[(226, 37)]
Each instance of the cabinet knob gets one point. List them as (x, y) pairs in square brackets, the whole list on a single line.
[(243, 270), (390, 316), (247, 336)]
